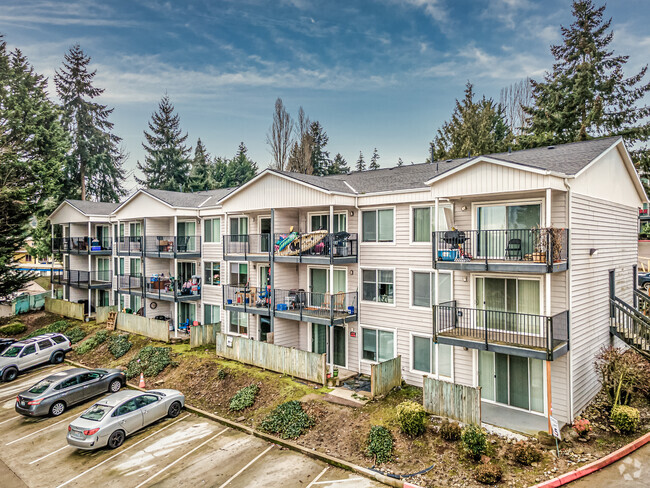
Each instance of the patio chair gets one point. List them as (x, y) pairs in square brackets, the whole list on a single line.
[(513, 248)]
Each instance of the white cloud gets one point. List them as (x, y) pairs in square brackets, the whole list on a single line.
[(433, 8)]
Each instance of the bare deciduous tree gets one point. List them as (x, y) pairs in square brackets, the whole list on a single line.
[(279, 135), (301, 150), (513, 99)]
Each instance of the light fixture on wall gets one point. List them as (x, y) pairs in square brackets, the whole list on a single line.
[(351, 213), (463, 208), (593, 252), (351, 272)]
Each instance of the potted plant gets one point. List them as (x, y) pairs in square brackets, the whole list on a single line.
[(539, 254), (556, 243)]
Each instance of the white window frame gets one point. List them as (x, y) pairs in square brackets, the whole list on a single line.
[(238, 216), (326, 213), (211, 219), (377, 302), (248, 271), (377, 242), (437, 374), (205, 267), (239, 334), (412, 240), (509, 203), (542, 286), (360, 341), (433, 299), (212, 313), (347, 343)]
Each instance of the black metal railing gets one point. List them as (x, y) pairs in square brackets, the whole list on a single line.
[(537, 245), (642, 302), (311, 304), (164, 246), (257, 245), (171, 288), (248, 297), (505, 328), (84, 279), (58, 276), (132, 283), (132, 245), (335, 245), (630, 325), (80, 245)]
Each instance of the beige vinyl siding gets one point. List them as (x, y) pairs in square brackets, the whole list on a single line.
[(78, 262), (558, 209), (611, 229), (213, 251), (163, 227), (158, 266), (560, 389), (285, 218), (286, 332), (77, 294)]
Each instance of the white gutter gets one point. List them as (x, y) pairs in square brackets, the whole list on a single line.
[(570, 295)]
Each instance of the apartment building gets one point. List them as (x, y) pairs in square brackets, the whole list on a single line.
[(494, 271)]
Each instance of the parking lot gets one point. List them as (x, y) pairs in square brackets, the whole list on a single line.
[(187, 451)]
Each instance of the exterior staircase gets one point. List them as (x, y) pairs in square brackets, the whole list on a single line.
[(631, 324)]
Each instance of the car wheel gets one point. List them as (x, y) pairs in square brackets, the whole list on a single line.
[(57, 357), (116, 439), (10, 374), (57, 409), (174, 409), (115, 386)]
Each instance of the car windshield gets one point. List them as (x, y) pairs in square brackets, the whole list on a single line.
[(96, 412), (40, 387), (12, 352)]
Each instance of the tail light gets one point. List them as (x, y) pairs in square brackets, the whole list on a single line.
[(69, 428), (35, 402), (91, 431), (18, 399)]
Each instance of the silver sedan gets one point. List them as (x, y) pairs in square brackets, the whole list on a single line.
[(109, 421)]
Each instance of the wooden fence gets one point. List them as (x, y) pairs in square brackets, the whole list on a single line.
[(201, 335), (453, 401), (65, 308), (155, 329), (287, 360), (101, 315), (385, 376)]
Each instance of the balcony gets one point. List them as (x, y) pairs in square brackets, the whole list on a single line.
[(130, 284), (316, 248), (171, 290), (84, 279), (319, 308), (129, 245), (247, 247), (81, 245), (537, 250), (517, 334), (248, 299), (173, 246)]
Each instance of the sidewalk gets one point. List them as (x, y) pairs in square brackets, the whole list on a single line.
[(630, 472)]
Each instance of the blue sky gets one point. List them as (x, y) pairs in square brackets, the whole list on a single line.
[(380, 73)]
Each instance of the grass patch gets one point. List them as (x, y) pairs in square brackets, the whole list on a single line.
[(13, 329), (60, 326)]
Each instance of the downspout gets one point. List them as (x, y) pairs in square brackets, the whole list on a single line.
[(359, 238), (569, 294)]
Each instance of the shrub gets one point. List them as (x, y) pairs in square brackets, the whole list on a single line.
[(13, 329), (244, 398), (59, 326), (221, 374), (411, 418), (119, 346), (622, 370), (450, 431), (287, 420), (75, 334), (92, 343), (626, 419), (582, 427), (474, 441), (150, 361), (488, 474), (526, 453), (380, 444)]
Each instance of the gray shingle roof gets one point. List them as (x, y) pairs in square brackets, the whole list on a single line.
[(329, 183), (93, 208), (215, 196)]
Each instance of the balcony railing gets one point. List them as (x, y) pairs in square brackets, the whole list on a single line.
[(249, 298), (81, 245), (248, 246), (84, 279), (131, 245), (131, 283), (167, 246), (496, 330), (171, 289), (537, 246), (305, 304), (311, 244)]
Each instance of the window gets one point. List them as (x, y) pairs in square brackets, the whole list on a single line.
[(238, 273), (135, 266), (59, 339), (211, 314), (431, 358), (86, 377), (238, 323), (378, 345), (125, 408), (144, 400), (239, 229), (212, 273), (378, 285), (321, 222), (424, 222), (70, 382), (377, 225), (136, 303), (31, 349), (44, 344), (423, 288), (518, 299), (212, 230)]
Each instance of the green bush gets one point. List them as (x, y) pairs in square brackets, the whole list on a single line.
[(626, 419), (380, 444), (92, 343), (474, 441), (221, 374), (411, 418), (59, 326), (488, 474), (287, 420), (12, 329), (119, 345), (150, 361), (450, 431), (526, 453), (244, 398), (75, 334)]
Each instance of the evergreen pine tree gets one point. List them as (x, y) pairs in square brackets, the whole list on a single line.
[(400, 162), (166, 165), (320, 158), (94, 166), (218, 172), (374, 160), (361, 164), (33, 148), (240, 168), (339, 165), (201, 175)]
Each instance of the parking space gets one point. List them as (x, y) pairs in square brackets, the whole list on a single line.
[(184, 452)]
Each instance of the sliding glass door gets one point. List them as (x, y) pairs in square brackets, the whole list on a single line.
[(319, 342), (520, 297), (506, 227), (186, 236), (320, 286)]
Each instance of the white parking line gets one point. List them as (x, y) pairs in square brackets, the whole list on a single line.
[(12, 418), (39, 430), (117, 454), (337, 481), (318, 477), (180, 459), (245, 467), (48, 455)]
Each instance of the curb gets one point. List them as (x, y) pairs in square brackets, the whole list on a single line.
[(596, 465), (331, 460)]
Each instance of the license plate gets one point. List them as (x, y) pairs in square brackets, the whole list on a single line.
[(23, 403), (77, 434)]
